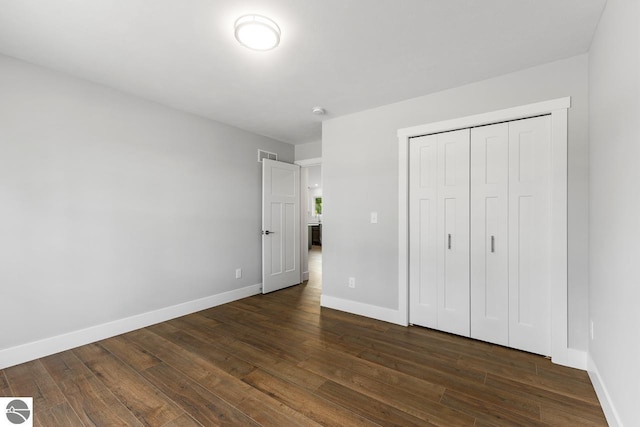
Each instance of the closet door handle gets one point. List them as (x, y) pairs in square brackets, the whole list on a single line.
[(493, 244), (448, 241)]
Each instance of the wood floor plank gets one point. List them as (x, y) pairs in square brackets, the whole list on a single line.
[(423, 405), (59, 415), (341, 344), (428, 340), (207, 351), (146, 402), (297, 322), (415, 341), (277, 366), (548, 398), (32, 380), (375, 345), (483, 410), (499, 368), (228, 312), (432, 370), (204, 406), (183, 421), (378, 371), (288, 371), (92, 401), (558, 417), (130, 353), (355, 320), (200, 329), (279, 336), (425, 377), (5, 390), (196, 324), (363, 405), (265, 340), (221, 382), (195, 320), (453, 378), (294, 319), (196, 367), (262, 408), (565, 382), (308, 404)]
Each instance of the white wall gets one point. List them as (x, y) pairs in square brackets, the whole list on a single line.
[(112, 206), (315, 176), (360, 175), (310, 150), (614, 90)]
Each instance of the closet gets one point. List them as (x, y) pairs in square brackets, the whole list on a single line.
[(479, 233)]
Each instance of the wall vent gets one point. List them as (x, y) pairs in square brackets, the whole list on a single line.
[(266, 155)]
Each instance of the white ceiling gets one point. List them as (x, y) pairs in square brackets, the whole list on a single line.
[(344, 55)]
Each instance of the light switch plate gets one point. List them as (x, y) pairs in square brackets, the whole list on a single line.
[(374, 217)]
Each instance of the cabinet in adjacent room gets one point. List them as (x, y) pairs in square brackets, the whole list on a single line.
[(479, 219)]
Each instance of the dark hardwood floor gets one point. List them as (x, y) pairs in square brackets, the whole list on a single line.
[(281, 360)]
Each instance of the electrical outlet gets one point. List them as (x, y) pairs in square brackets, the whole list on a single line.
[(352, 282), (238, 273), (592, 333)]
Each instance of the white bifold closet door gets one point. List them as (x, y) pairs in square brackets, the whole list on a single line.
[(529, 235), (510, 211), (439, 222), (490, 233), (479, 208)]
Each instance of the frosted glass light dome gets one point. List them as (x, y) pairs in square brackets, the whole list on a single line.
[(257, 32)]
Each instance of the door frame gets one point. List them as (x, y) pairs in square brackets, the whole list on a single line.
[(304, 202), (557, 108)]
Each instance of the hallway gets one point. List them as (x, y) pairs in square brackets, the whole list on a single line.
[(315, 267)]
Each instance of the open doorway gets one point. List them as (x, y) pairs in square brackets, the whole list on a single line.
[(314, 224), (311, 215)]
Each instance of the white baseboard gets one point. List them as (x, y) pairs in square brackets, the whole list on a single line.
[(603, 395), (305, 276), (37, 349), (362, 309), (572, 358), (577, 359)]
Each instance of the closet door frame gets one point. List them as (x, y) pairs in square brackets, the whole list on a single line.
[(560, 352)]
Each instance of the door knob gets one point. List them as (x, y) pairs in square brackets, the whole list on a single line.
[(267, 232)]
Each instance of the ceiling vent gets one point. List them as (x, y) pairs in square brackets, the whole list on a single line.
[(266, 155)]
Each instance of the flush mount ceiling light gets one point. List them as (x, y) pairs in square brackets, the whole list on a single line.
[(257, 32)]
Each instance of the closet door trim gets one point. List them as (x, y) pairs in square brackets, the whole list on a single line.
[(557, 108)]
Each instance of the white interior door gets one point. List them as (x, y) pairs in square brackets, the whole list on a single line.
[(489, 233), (280, 225), (529, 234), (439, 231)]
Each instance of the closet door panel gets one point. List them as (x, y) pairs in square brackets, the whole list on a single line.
[(452, 249), (423, 309), (489, 233), (529, 238)]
